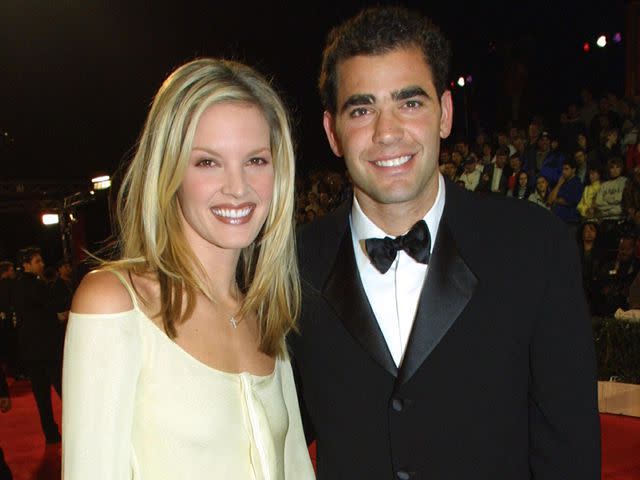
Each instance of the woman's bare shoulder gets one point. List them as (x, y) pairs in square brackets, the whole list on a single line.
[(101, 291)]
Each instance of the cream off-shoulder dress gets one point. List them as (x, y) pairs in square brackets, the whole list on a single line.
[(137, 406)]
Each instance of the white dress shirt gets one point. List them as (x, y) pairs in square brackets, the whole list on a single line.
[(394, 295)]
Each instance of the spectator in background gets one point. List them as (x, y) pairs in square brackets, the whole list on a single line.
[(471, 175), (632, 156), (592, 154), (552, 158), (589, 107), (615, 277), (487, 155), (581, 165), (631, 197), (515, 167), (5, 406), (522, 190), (7, 315), (38, 338), (587, 205), (566, 194), (608, 201), (591, 257), (609, 147), (494, 177), (450, 170), (541, 193)]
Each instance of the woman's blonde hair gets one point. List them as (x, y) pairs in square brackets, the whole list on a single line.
[(151, 239)]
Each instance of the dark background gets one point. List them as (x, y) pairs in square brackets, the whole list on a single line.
[(77, 76)]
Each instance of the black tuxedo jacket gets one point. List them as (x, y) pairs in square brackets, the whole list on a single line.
[(484, 185), (497, 382)]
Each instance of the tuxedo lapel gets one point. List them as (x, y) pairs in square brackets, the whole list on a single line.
[(448, 287), (344, 291)]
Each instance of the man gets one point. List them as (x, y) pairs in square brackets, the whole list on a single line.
[(5, 406), (452, 376), (566, 195), (38, 338), (471, 175), (494, 176)]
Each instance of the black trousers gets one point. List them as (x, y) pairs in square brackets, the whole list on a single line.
[(5, 473), (44, 375)]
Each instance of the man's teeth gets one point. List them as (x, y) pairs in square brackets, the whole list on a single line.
[(232, 212), (393, 162)]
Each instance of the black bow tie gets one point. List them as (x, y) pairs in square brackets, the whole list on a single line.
[(416, 242)]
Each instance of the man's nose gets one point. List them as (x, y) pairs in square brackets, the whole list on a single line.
[(388, 128)]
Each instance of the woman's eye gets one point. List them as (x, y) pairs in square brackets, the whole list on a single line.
[(205, 162), (258, 161)]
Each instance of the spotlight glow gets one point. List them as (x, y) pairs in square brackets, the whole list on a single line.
[(50, 219), (461, 82), (602, 41)]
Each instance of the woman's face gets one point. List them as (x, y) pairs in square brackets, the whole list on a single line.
[(589, 232), (229, 179), (523, 179), (594, 176)]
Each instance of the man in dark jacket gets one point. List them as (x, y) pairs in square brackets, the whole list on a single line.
[(416, 358), (38, 338)]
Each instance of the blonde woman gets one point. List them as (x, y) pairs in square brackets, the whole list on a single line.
[(175, 364)]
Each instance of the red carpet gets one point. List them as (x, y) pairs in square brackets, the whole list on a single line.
[(31, 459)]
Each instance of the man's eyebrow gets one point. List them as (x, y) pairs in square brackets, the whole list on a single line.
[(358, 99), (408, 92)]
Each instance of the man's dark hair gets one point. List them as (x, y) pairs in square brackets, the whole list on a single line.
[(25, 255), (570, 162), (5, 265), (380, 30), (503, 151), (615, 161)]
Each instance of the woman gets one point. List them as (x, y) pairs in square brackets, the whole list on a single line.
[(521, 190), (586, 207), (175, 364), (591, 257)]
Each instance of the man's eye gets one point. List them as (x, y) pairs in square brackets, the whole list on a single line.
[(358, 112), (413, 104)]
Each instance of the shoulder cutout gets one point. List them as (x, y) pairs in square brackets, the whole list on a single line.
[(101, 292)]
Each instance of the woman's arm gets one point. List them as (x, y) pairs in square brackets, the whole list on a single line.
[(102, 360)]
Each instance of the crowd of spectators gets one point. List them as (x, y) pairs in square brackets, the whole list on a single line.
[(583, 167)]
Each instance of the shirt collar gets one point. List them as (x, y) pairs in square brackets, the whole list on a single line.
[(362, 227)]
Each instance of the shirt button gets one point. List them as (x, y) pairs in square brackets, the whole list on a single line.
[(402, 475), (397, 404)]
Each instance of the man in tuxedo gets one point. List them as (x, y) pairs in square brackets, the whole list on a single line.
[(419, 354)]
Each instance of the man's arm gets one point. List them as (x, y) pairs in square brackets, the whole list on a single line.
[(564, 423)]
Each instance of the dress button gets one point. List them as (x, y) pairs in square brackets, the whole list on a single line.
[(397, 404), (402, 475)]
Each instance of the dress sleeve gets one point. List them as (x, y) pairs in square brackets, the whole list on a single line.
[(102, 361), (296, 455)]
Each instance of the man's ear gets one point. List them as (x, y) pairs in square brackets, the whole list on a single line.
[(328, 123), (446, 115)]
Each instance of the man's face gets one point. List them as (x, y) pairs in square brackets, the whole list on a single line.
[(541, 185), (470, 166), (579, 157), (544, 143), (501, 160), (625, 249), (35, 266), (615, 170), (387, 126), (567, 171)]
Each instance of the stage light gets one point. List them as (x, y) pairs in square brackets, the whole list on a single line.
[(50, 219), (602, 41), (469, 79), (617, 38), (461, 82), (586, 47), (101, 183)]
